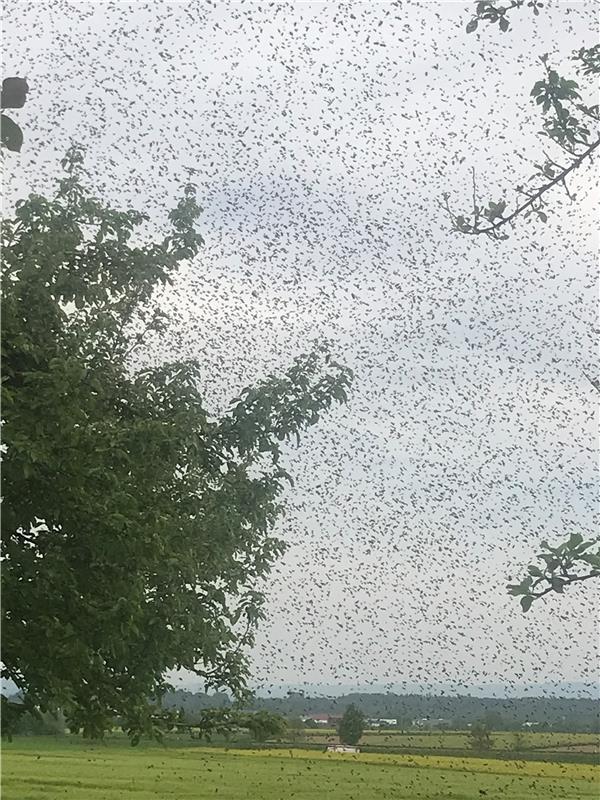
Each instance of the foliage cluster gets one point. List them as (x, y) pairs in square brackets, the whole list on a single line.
[(351, 725), (572, 561), (262, 725), (137, 529), (480, 738)]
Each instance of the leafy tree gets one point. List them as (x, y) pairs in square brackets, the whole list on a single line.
[(295, 729), (35, 723), (262, 725), (19, 719), (518, 742), (404, 722), (214, 721), (14, 94), (479, 737), (351, 725), (493, 720), (136, 527)]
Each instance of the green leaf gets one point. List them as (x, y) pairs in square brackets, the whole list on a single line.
[(551, 561), (538, 86), (592, 559), (14, 92), (472, 26), (504, 24), (535, 571), (11, 134), (526, 602)]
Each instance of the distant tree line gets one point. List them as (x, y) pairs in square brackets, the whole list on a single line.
[(262, 719), (39, 723), (544, 713)]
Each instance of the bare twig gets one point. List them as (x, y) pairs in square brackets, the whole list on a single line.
[(594, 381)]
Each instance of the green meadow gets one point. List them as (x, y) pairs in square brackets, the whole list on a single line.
[(67, 767), (440, 740)]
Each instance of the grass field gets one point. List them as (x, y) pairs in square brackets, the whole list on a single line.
[(439, 740), (68, 768)]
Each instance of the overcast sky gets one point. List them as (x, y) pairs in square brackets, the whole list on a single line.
[(323, 136)]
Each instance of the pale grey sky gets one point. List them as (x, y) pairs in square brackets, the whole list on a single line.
[(323, 136)]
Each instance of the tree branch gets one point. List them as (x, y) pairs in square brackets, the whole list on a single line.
[(594, 381), (491, 229), (567, 582)]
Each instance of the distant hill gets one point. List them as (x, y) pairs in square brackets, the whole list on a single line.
[(500, 690)]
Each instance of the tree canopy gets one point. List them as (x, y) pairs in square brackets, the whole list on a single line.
[(351, 725), (136, 527), (261, 725), (480, 737)]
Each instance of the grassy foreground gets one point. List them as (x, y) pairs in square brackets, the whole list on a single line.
[(69, 768)]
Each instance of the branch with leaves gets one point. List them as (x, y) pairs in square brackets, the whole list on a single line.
[(490, 12), (262, 725), (490, 220), (571, 562), (567, 122)]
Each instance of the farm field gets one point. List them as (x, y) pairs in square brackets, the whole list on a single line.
[(501, 740), (68, 768)]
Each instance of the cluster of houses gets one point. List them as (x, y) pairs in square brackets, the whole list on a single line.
[(422, 724), (382, 723), (324, 720), (331, 721)]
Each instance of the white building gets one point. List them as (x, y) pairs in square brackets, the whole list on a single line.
[(342, 748), (427, 723)]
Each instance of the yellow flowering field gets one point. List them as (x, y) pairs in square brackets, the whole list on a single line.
[(537, 769)]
